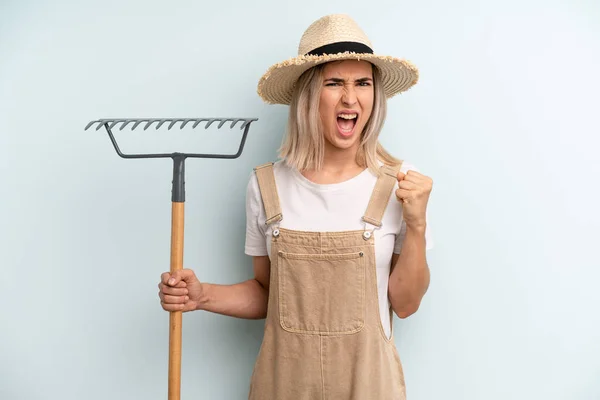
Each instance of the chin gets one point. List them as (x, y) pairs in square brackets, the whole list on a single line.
[(344, 143)]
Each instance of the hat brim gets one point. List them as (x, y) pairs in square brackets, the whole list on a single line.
[(276, 86)]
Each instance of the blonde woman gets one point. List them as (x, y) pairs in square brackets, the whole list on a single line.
[(337, 229)]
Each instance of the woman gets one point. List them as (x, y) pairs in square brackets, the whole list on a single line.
[(337, 229)]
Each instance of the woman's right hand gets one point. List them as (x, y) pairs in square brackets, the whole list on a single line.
[(180, 291)]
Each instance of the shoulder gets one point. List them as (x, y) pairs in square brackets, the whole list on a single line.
[(279, 169), (281, 172), (277, 166)]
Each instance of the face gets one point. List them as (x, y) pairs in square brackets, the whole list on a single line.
[(346, 102)]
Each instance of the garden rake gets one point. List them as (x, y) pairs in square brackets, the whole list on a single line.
[(177, 211)]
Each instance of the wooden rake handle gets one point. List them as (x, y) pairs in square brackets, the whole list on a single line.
[(175, 317), (177, 231)]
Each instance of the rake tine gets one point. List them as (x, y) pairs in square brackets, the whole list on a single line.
[(124, 124), (198, 121), (235, 121), (114, 122), (139, 121), (89, 124), (222, 122), (150, 122), (173, 123), (162, 121), (210, 123), (185, 122), (246, 123), (102, 123)]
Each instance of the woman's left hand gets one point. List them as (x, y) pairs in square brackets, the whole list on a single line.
[(413, 191)]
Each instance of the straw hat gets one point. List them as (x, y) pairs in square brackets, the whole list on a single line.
[(330, 38)]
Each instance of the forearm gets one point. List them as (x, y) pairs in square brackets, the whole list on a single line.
[(409, 278), (247, 299)]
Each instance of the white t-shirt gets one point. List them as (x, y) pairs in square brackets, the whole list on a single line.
[(307, 206)]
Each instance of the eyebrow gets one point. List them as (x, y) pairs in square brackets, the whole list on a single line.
[(339, 80)]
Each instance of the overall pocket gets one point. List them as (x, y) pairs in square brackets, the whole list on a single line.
[(321, 293)]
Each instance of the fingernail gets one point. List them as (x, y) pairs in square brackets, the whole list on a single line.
[(171, 281)]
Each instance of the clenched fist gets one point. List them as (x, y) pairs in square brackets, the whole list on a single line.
[(180, 291), (413, 190)]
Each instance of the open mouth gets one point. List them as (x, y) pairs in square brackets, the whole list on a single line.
[(346, 122)]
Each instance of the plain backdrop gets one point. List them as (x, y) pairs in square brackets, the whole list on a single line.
[(504, 119)]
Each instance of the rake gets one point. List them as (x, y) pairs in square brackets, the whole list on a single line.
[(177, 209)]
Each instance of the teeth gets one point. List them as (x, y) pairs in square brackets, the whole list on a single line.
[(348, 116)]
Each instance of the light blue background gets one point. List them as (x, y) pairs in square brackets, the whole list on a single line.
[(504, 119)]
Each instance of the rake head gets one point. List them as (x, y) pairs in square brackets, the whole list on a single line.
[(110, 123), (178, 190)]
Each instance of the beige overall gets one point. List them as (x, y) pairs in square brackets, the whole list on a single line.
[(323, 337)]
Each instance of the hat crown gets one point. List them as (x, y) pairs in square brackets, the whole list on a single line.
[(331, 29)]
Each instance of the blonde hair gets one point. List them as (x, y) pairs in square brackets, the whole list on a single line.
[(303, 146)]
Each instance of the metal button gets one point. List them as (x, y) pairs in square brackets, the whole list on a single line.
[(361, 254), (367, 235), (276, 232)]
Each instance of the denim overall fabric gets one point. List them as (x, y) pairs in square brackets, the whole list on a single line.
[(323, 337)]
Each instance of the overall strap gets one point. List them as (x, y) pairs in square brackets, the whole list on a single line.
[(268, 191), (384, 186)]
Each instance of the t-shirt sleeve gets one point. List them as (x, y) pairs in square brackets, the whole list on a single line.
[(428, 231), (256, 244)]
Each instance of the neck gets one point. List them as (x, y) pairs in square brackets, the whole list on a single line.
[(338, 160), (338, 165)]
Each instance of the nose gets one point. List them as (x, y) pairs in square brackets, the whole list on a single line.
[(349, 96)]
